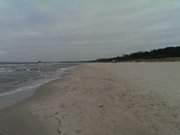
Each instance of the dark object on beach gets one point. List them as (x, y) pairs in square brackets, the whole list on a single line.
[(101, 106)]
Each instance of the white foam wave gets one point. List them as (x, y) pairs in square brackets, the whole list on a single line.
[(38, 83)]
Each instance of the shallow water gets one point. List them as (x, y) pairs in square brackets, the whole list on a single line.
[(18, 81)]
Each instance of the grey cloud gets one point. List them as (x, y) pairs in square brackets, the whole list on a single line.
[(86, 30)]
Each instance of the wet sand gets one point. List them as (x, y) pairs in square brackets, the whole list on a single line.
[(102, 99)]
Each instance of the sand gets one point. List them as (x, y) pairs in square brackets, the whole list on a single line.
[(102, 99)]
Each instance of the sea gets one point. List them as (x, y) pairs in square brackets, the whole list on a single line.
[(19, 80)]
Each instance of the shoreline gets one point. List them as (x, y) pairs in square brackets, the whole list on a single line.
[(20, 94), (97, 99), (18, 118)]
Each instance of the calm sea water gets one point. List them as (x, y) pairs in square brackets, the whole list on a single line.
[(19, 77)]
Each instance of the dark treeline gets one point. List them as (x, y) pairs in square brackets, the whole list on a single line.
[(169, 52)]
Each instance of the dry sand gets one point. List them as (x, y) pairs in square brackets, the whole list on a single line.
[(102, 99)]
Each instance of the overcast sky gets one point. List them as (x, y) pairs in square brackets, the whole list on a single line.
[(85, 29)]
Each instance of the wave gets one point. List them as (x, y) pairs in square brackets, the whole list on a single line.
[(58, 75)]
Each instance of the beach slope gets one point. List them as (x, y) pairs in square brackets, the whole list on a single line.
[(102, 99)]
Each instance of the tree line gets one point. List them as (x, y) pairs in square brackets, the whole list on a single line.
[(168, 52)]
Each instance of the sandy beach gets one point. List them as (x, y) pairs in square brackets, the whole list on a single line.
[(102, 99)]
